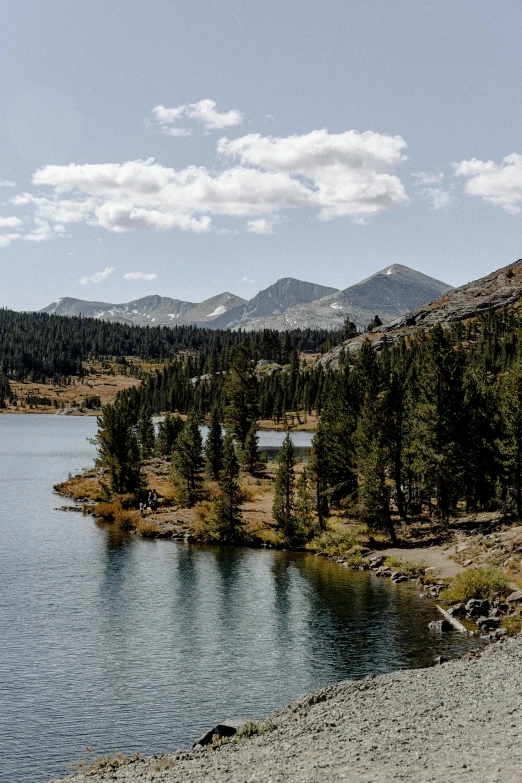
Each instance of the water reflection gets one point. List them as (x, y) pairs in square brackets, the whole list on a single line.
[(120, 643)]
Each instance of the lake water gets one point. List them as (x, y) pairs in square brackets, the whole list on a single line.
[(118, 643)]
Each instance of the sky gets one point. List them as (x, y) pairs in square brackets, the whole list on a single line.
[(188, 148)]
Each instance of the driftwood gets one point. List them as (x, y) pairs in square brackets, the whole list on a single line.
[(453, 620)]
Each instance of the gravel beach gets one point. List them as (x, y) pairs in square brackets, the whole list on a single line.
[(459, 721)]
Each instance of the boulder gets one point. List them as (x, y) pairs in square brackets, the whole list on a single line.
[(376, 561), (475, 607), (488, 623), (226, 728), (440, 626), (459, 610), (515, 598), (397, 577)]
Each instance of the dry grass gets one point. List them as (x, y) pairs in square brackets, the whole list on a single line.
[(146, 528), (85, 487), (109, 763), (107, 510), (96, 384), (126, 520)]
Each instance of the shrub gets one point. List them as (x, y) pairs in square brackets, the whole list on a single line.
[(107, 511), (126, 520), (108, 763), (146, 528), (476, 583), (513, 624), (335, 541), (405, 567), (253, 728), (355, 558)]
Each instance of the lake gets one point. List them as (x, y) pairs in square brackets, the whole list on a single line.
[(118, 643)]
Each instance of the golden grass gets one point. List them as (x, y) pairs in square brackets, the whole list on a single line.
[(146, 528)]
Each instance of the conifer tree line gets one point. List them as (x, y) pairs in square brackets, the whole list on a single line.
[(425, 426), (49, 348)]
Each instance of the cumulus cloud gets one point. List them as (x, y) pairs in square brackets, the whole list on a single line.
[(260, 226), (97, 277), (140, 276), (7, 183), (245, 280), (346, 174), (499, 184), (10, 222), (203, 112), (259, 178), (430, 185)]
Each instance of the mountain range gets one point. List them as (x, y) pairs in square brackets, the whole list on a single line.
[(287, 304)]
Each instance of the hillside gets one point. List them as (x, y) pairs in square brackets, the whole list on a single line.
[(388, 293), (496, 290)]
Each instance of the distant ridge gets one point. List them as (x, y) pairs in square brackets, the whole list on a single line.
[(287, 304)]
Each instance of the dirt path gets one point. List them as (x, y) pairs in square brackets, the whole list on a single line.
[(433, 556)]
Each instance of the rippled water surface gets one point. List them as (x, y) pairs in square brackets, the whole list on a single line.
[(118, 643)]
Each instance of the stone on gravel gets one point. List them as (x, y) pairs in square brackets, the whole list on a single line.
[(476, 607)]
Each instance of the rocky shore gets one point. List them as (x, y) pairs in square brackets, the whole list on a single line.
[(459, 721)]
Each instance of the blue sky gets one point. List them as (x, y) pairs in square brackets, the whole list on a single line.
[(198, 146)]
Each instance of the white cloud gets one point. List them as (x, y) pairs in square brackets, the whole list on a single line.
[(261, 177), (346, 174), (140, 276), (499, 184), (203, 112), (260, 226), (246, 281), (7, 183), (97, 277), (429, 184), (10, 222)]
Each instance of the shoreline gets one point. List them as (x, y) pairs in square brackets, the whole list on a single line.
[(307, 741), (461, 720)]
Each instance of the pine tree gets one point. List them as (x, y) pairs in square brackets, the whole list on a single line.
[(250, 454), (241, 393), (119, 449), (304, 506), (214, 446), (283, 507), (146, 434), (168, 432), (511, 406), (227, 517), (373, 491), (438, 421), (319, 473), (188, 459)]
